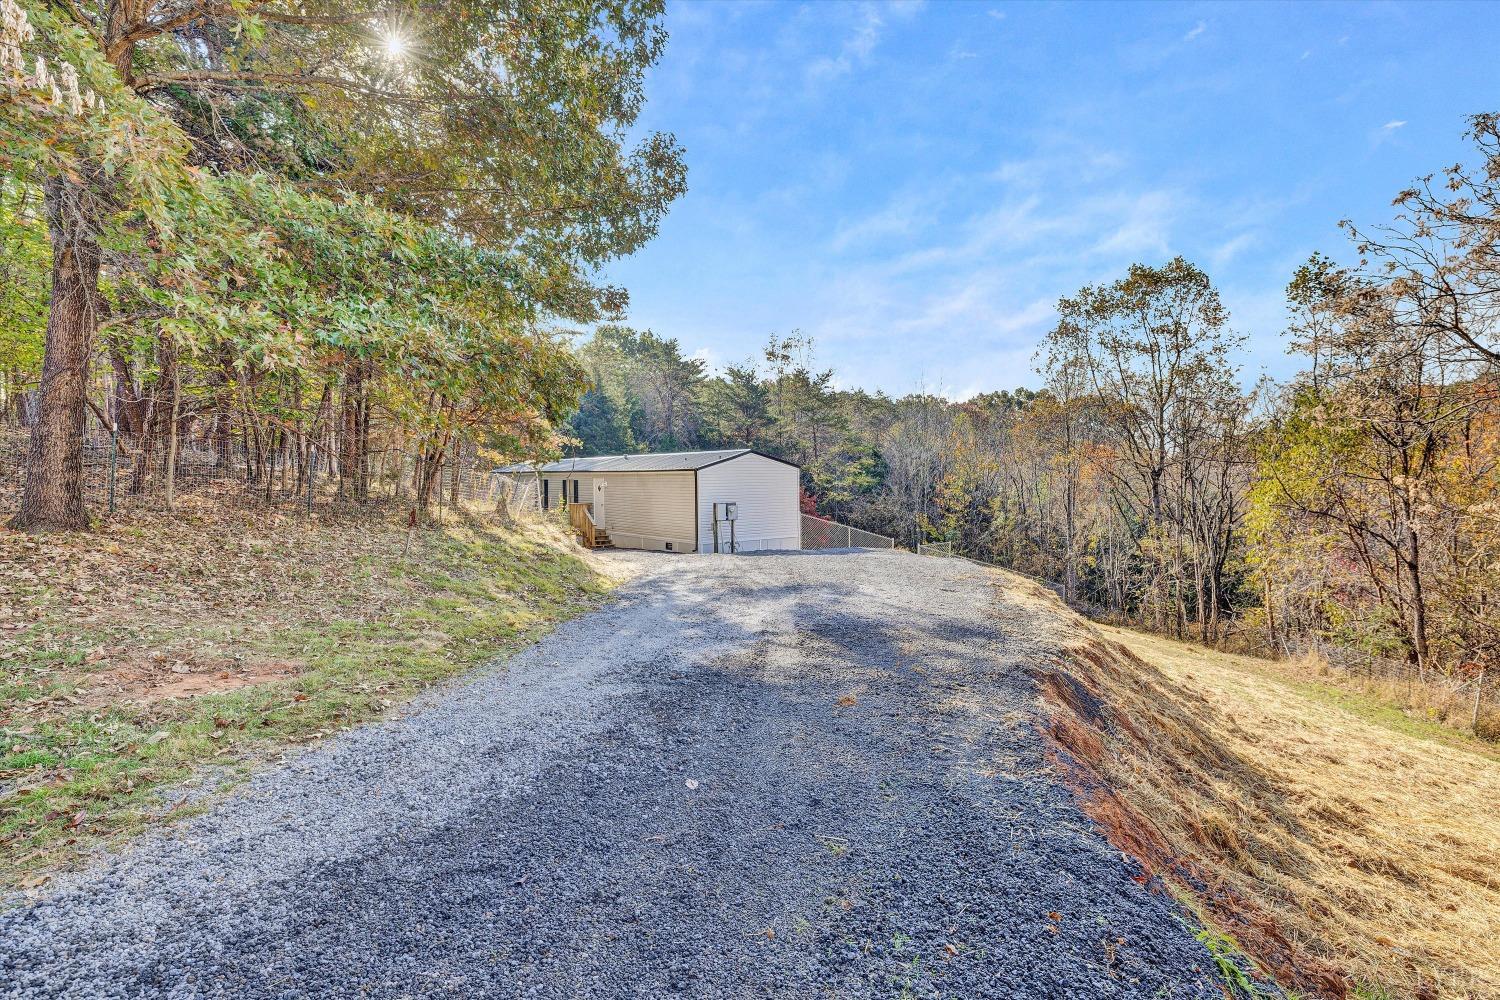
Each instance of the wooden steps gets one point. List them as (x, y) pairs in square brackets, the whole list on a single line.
[(581, 516)]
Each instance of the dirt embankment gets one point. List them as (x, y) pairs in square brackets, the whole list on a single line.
[(1345, 857)]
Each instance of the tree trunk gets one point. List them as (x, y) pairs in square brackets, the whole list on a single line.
[(429, 466), (172, 436), (1270, 615), (221, 437), (1418, 603), (53, 497), (354, 434), (159, 417), (273, 456), (128, 409), (455, 485), (1070, 558)]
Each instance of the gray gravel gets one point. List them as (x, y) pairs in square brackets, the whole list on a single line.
[(665, 798)]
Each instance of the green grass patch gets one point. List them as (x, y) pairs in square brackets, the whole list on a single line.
[(77, 778), (1380, 712)]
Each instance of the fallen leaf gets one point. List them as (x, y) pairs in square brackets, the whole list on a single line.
[(692, 783)]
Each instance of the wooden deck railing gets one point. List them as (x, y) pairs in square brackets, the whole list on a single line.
[(582, 517)]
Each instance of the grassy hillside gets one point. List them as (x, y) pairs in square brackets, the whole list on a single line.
[(1347, 849), (149, 663)]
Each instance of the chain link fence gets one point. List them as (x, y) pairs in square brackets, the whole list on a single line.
[(945, 550), (818, 533)]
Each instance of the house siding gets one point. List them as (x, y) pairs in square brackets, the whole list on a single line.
[(645, 510), (556, 483), (648, 510), (564, 482), (766, 491)]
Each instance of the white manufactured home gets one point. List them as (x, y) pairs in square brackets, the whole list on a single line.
[(736, 500)]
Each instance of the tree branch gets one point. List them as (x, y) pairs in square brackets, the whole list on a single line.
[(157, 81)]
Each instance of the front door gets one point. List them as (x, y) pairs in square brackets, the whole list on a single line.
[(598, 510)]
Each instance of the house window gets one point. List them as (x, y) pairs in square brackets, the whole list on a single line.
[(575, 491), (545, 483)]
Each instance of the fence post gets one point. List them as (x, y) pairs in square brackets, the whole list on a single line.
[(114, 462)]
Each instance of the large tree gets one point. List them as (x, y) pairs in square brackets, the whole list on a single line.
[(1379, 438), (1153, 350), (503, 122), (1441, 254)]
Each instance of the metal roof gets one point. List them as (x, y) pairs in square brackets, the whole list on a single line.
[(675, 461)]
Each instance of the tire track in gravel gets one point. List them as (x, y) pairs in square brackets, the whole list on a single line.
[(800, 775)]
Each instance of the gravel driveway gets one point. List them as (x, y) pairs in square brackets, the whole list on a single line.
[(799, 775)]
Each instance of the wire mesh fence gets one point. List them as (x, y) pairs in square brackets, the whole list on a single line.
[(818, 533), (944, 549), (124, 472)]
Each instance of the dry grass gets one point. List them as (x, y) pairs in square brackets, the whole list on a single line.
[(161, 651), (1440, 700), (1346, 848)]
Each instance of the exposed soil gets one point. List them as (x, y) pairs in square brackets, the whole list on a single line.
[(161, 679)]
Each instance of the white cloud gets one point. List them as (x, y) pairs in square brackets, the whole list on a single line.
[(969, 308), (1144, 227), (709, 358), (1387, 132), (861, 42), (1196, 30), (902, 216), (1230, 249), (1071, 162)]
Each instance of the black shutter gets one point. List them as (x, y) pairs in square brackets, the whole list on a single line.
[(544, 494), (575, 491)]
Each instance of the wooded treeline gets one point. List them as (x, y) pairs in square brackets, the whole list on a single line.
[(1357, 505), (312, 233)]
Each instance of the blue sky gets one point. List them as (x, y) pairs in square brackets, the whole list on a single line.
[(915, 185)]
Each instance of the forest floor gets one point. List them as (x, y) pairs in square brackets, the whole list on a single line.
[(148, 664), (1336, 839)]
